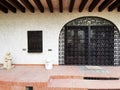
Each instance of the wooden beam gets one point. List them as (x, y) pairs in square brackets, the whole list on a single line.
[(93, 5), (17, 5), (104, 5), (39, 5), (71, 5), (82, 5), (61, 5), (8, 5), (3, 8), (50, 5), (28, 5), (118, 9), (114, 5)]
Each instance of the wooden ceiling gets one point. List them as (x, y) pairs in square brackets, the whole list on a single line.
[(60, 5)]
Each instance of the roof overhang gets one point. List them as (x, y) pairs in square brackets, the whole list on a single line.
[(60, 5)]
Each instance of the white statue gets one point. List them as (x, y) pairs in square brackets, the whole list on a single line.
[(8, 61)]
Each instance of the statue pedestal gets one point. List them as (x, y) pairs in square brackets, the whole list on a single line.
[(48, 65)]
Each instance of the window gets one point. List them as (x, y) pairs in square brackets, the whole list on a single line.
[(29, 88), (34, 41)]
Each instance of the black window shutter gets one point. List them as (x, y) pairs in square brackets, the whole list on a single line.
[(34, 41)]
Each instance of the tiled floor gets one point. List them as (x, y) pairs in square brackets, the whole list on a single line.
[(59, 78)]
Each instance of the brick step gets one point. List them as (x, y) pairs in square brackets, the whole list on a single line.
[(84, 84)]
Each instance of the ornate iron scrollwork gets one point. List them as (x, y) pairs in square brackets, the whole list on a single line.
[(89, 21)]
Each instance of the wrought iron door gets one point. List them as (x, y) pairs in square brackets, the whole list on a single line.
[(89, 45), (75, 47)]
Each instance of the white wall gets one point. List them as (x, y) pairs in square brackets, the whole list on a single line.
[(14, 27)]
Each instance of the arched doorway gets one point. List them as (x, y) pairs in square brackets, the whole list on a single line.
[(89, 41)]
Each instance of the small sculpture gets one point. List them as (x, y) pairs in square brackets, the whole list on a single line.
[(8, 62)]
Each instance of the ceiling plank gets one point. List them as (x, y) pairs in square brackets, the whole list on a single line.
[(39, 5), (71, 5), (104, 5), (17, 5), (114, 5), (93, 5), (28, 5), (8, 5), (3, 9), (82, 5), (61, 5), (50, 5)]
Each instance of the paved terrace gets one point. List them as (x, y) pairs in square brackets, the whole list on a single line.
[(60, 78)]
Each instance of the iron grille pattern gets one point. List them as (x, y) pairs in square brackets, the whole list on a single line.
[(75, 45), (116, 48), (61, 47), (96, 42), (102, 45)]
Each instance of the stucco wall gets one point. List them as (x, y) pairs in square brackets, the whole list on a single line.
[(14, 27)]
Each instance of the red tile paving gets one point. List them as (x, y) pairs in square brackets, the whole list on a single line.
[(59, 78)]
